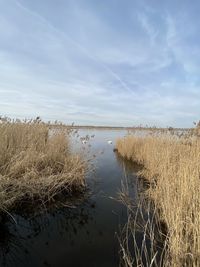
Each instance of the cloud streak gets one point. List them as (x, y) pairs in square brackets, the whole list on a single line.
[(79, 62)]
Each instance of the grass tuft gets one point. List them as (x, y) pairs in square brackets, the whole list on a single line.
[(36, 163), (171, 164)]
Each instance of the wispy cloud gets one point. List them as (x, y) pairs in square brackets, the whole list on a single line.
[(118, 64)]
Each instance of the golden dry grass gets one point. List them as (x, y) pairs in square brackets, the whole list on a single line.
[(36, 164), (172, 166)]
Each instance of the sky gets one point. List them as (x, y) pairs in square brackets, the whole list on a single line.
[(92, 62)]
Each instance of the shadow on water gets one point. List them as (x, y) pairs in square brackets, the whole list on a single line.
[(83, 236), (32, 241), (143, 238)]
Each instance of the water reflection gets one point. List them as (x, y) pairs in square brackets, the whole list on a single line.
[(9, 244), (143, 237), (17, 240), (82, 236)]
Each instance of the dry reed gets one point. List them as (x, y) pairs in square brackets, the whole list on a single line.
[(36, 164), (172, 166)]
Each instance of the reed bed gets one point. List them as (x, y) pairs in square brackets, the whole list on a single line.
[(171, 164), (36, 164)]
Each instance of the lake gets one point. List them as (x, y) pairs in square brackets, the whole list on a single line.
[(83, 236)]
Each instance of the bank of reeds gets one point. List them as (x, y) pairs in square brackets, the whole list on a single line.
[(172, 166), (36, 164)]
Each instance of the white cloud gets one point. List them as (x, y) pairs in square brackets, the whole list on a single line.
[(81, 68)]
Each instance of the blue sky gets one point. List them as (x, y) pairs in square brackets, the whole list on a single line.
[(112, 62)]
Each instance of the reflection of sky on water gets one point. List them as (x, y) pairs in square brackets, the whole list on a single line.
[(84, 236)]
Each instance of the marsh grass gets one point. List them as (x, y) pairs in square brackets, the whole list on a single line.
[(143, 239), (142, 242), (171, 164), (36, 164)]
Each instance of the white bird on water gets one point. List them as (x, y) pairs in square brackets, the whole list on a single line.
[(110, 142)]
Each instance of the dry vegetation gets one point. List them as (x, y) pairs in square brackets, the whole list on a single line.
[(36, 164), (172, 165)]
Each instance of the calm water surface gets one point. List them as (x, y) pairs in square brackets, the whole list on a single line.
[(84, 236)]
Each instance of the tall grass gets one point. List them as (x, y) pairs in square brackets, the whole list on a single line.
[(36, 164), (172, 165)]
